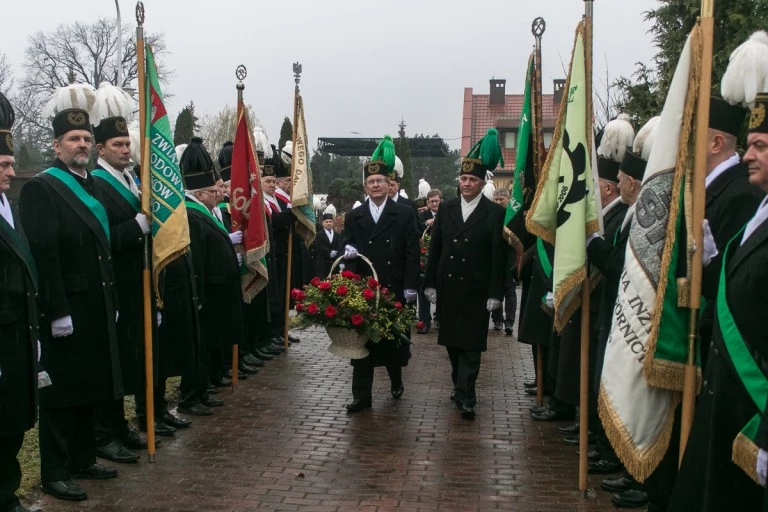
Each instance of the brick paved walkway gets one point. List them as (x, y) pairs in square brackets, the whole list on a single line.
[(284, 442)]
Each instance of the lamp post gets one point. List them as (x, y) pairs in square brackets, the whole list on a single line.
[(119, 46)]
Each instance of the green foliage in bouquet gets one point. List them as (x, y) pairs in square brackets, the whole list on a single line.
[(424, 254), (347, 300)]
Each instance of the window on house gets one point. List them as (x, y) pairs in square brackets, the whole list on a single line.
[(547, 138), (510, 139)]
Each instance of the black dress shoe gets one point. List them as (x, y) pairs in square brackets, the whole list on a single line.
[(212, 402), (195, 410), (65, 490), (529, 384), (175, 421), (618, 484), (116, 452), (240, 375), (569, 430), (248, 369), (294, 339), (132, 440), (593, 455), (259, 352), (252, 360), (531, 391), (161, 429), (223, 382), (508, 330), (95, 472), (552, 415), (603, 467), (397, 392), (535, 409), (212, 390), (497, 326), (466, 411), (575, 441), (632, 498), (358, 404)]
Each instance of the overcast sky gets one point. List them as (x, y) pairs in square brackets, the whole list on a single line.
[(366, 64)]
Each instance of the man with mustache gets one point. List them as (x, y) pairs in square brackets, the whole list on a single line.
[(63, 215)]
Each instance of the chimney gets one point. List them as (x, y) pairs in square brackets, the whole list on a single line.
[(498, 92), (559, 84)]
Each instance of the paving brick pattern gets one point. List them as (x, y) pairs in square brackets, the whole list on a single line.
[(284, 442)]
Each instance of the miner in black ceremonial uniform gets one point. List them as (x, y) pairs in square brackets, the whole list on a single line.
[(465, 271), (385, 232), (18, 327), (328, 246), (62, 211), (217, 271)]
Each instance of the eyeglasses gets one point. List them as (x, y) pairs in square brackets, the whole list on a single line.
[(376, 182)]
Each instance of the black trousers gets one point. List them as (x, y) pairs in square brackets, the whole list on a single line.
[(109, 422), (362, 379), (67, 441), (508, 311), (465, 367), (10, 470), (425, 308), (161, 406)]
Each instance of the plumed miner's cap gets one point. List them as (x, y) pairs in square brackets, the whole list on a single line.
[(618, 135), (608, 169), (74, 96), (286, 154), (7, 117), (109, 128), (197, 166), (383, 158), (726, 117), (225, 160), (279, 169), (484, 156), (636, 157), (110, 101), (745, 80), (70, 119)]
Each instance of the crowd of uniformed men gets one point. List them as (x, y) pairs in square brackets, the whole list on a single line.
[(71, 317)]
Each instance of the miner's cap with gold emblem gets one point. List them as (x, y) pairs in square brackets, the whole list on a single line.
[(758, 116), (71, 119), (7, 117), (109, 128), (383, 158), (484, 156)]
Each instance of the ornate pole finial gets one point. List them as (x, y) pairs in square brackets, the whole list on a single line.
[(297, 74), (139, 13), (538, 27), (240, 74)]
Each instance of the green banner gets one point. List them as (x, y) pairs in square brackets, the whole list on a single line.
[(515, 204)]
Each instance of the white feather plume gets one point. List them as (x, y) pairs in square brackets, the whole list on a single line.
[(111, 101), (330, 209), (316, 203), (356, 204), (747, 71), (403, 194), (261, 142), (618, 135), (80, 96), (286, 153), (399, 167), (489, 187), (424, 188), (134, 133), (179, 150), (645, 137)]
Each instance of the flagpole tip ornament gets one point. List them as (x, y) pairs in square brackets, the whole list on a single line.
[(140, 13), (538, 27), (240, 73), (484, 156), (383, 158), (297, 73)]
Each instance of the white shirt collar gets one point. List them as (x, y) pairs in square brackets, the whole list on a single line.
[(395, 197), (721, 168), (613, 203), (376, 210), (5, 210), (760, 216), (123, 177), (329, 234)]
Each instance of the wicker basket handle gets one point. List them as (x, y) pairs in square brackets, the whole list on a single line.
[(370, 264)]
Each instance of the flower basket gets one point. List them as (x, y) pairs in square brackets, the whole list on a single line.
[(347, 343)]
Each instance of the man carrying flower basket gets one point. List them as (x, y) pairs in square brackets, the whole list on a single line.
[(385, 232)]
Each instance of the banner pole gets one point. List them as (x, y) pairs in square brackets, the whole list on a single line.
[(149, 380), (699, 200), (240, 73)]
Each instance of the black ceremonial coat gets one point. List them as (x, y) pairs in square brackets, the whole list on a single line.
[(536, 324), (74, 262), (420, 226), (217, 280), (708, 480), (466, 266), (323, 248), (731, 202), (18, 330), (392, 245), (127, 242)]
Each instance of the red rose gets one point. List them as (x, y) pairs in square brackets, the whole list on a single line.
[(324, 286), (420, 325), (312, 309), (385, 291), (357, 319), (299, 307), (356, 277), (399, 305), (372, 283), (297, 294), (348, 274), (330, 311), (423, 250), (368, 294), (315, 281), (342, 290)]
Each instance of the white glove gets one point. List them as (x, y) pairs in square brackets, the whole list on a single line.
[(334, 254), (430, 294), (159, 319), (236, 237), (550, 300), (239, 259), (117, 315), (762, 465), (62, 327), (590, 238), (141, 220), (39, 349), (410, 296), (493, 304), (350, 252), (710, 247)]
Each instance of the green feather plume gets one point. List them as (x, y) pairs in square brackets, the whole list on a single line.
[(385, 152), (488, 150)]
